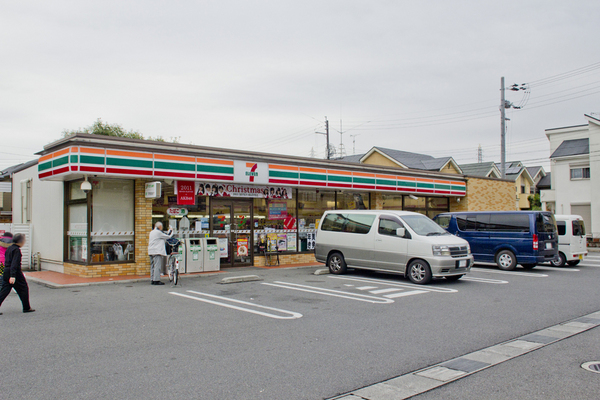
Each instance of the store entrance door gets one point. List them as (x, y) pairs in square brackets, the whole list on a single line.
[(231, 223)]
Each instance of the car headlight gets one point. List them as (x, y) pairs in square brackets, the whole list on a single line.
[(468, 248), (442, 250)]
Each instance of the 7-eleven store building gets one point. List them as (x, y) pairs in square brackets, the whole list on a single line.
[(251, 202)]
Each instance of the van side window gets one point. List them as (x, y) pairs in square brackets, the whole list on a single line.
[(578, 228), (476, 222), (443, 221), (350, 223), (509, 222), (461, 221), (389, 226), (562, 227)]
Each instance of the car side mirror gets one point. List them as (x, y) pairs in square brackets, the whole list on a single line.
[(401, 232)]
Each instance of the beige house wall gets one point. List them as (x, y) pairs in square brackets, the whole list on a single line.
[(523, 201), (449, 169), (377, 159)]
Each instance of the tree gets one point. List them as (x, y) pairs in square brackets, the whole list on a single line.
[(104, 128), (534, 202)]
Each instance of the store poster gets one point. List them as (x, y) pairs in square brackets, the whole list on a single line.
[(310, 241), (277, 210), (291, 242), (289, 222), (186, 194), (301, 223), (242, 247), (223, 247), (271, 242), (281, 241), (231, 190)]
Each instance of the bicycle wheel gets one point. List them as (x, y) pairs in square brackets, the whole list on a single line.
[(171, 267), (175, 276)]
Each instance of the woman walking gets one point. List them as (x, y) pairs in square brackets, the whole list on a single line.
[(13, 275)]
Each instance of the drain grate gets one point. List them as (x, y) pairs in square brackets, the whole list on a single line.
[(592, 366)]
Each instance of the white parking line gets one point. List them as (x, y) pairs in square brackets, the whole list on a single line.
[(292, 314), (492, 271), (483, 280), (366, 287), (562, 269), (396, 284), (387, 290), (330, 292), (403, 294)]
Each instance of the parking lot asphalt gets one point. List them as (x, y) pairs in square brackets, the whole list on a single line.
[(292, 335)]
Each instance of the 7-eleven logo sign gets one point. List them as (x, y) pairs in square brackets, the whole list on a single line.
[(252, 173)]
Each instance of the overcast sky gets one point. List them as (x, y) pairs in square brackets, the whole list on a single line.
[(420, 76)]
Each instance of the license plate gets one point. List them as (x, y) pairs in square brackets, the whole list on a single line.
[(581, 256), (462, 264), (548, 245)]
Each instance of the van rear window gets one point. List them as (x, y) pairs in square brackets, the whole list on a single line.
[(578, 228), (349, 223), (545, 223)]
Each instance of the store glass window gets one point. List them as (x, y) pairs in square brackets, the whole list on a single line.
[(275, 225), (77, 232), (352, 201), (415, 204), (112, 220), (392, 201), (311, 206)]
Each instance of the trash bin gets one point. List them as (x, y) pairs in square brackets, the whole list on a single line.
[(195, 256), (212, 259)]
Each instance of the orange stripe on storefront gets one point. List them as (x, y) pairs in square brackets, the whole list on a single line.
[(91, 150), (424, 180), (316, 170), (174, 158), (392, 177), (121, 153), (364, 175), (213, 161)]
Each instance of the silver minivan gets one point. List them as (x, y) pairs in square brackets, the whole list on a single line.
[(391, 241), (572, 242)]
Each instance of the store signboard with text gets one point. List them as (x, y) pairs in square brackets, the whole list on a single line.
[(231, 190), (278, 210), (250, 172)]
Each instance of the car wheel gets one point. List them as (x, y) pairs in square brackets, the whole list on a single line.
[(336, 263), (506, 260), (573, 263), (419, 272), (559, 261), (454, 278), (528, 266)]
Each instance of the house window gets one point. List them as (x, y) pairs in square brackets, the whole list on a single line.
[(580, 173), (522, 188)]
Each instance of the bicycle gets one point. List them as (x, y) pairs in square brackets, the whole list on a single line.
[(172, 261)]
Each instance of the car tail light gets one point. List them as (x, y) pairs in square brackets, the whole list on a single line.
[(536, 244)]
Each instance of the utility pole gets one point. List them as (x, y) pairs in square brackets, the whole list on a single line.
[(342, 149), (326, 133), (502, 130)]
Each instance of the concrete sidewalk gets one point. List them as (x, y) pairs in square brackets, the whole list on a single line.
[(57, 280)]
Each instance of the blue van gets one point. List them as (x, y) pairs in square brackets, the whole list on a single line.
[(506, 238)]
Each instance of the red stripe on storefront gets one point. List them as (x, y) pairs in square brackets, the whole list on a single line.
[(355, 186), (91, 169), (426, 191), (215, 177), (45, 174), (407, 190), (390, 188), (74, 168), (174, 174), (443, 192), (60, 170), (123, 171), (311, 183), (283, 182), (341, 185)]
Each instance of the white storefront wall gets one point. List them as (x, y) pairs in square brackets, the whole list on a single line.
[(46, 216)]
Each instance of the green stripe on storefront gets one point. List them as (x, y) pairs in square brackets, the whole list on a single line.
[(425, 185), (74, 159), (386, 182), (283, 174), (458, 188), (214, 169), (338, 178), (364, 180), (45, 166), (174, 166), (411, 184), (92, 160), (313, 177), (126, 162), (60, 161), (443, 187)]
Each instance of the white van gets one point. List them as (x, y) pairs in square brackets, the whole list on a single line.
[(392, 241), (572, 243)]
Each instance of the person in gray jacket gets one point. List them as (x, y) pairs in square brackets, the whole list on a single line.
[(157, 251)]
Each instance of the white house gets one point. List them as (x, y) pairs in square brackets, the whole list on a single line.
[(575, 165)]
